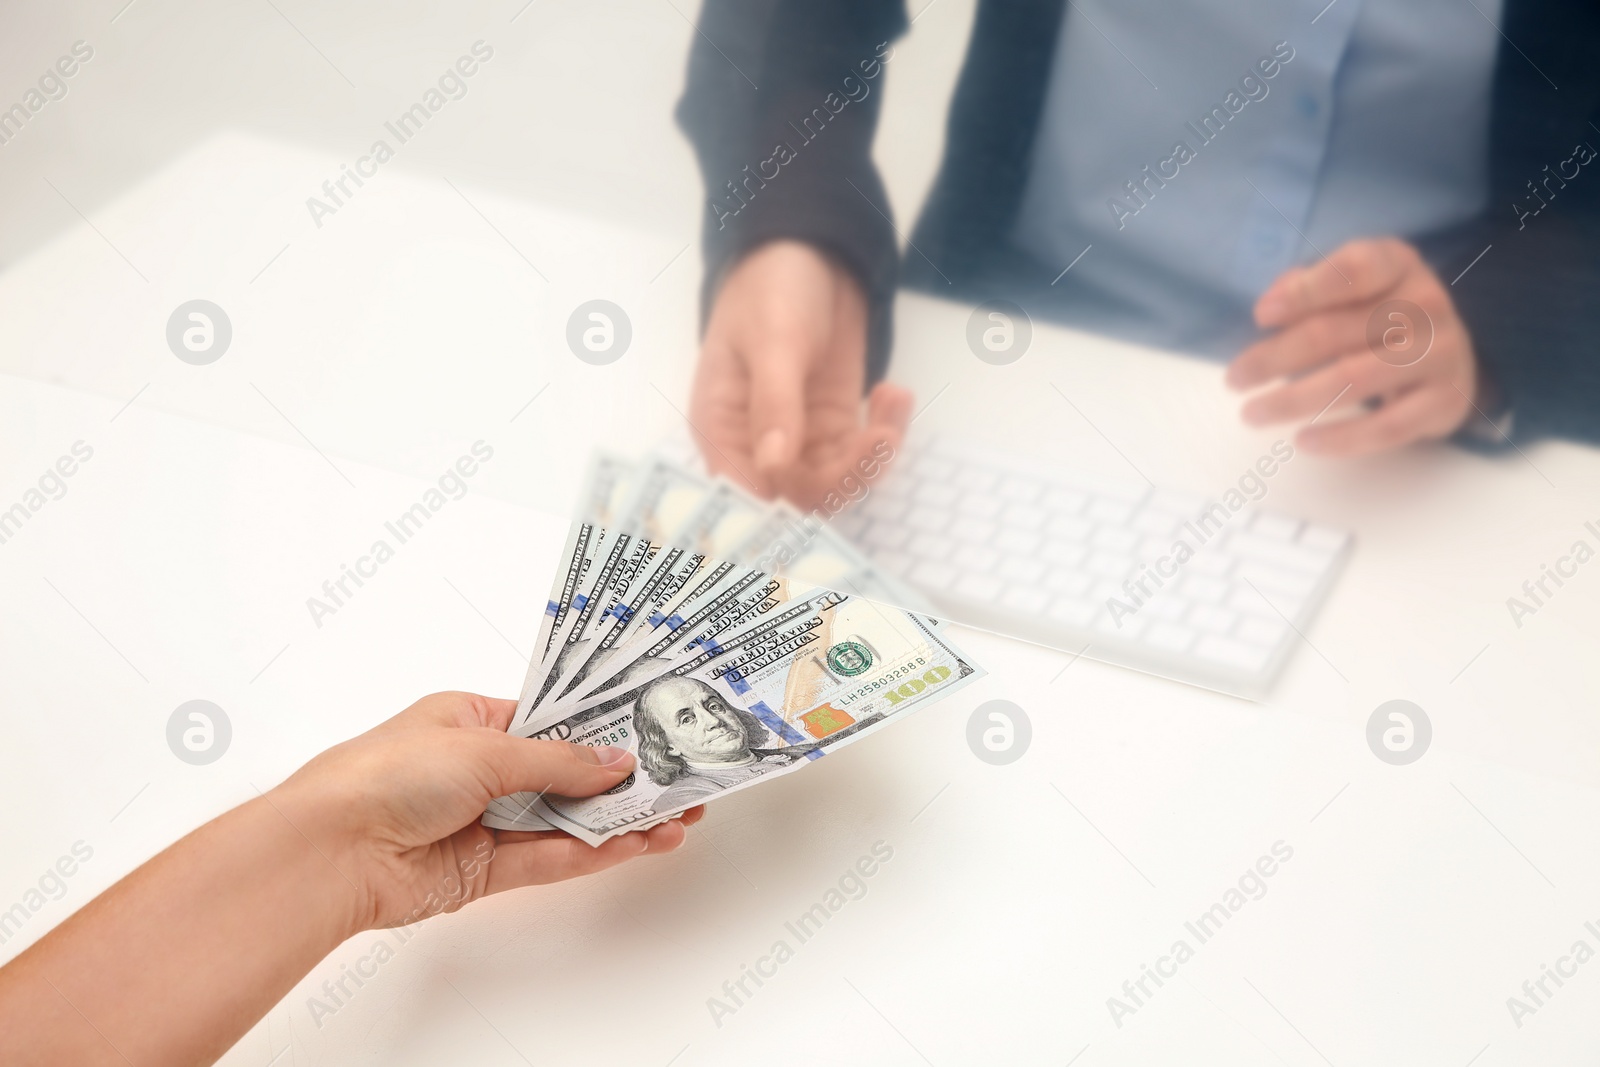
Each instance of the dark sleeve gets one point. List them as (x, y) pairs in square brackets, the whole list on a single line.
[(781, 103), (1533, 320), (1532, 302)]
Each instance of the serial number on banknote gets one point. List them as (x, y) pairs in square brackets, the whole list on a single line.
[(887, 678)]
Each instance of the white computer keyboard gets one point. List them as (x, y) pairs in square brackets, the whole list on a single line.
[(1040, 553)]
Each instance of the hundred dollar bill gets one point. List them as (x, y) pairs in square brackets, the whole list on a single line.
[(576, 555), (625, 559), (817, 674), (740, 601), (608, 501), (669, 575), (803, 547), (662, 497), (607, 485), (710, 588), (604, 482), (744, 597), (659, 497), (721, 521)]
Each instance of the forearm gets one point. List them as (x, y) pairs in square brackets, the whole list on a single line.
[(177, 961), (794, 161)]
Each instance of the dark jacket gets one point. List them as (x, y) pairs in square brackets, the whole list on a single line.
[(1530, 302)]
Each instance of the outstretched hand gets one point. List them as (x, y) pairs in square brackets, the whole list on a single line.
[(177, 960), (396, 809)]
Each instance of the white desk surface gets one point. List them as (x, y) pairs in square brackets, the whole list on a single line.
[(1018, 898)]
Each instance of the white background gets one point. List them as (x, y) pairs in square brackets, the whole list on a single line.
[(371, 352)]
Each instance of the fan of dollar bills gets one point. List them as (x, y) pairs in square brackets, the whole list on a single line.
[(722, 640)]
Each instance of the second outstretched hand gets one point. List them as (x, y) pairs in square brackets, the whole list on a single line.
[(776, 403)]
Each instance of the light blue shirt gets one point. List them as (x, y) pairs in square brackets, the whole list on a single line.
[(1374, 122)]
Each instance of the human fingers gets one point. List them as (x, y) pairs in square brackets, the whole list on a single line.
[(454, 709), (863, 456), (504, 764), (1349, 381), (1424, 413), (1299, 347), (719, 410), (780, 363), (512, 837), (1358, 271), (557, 858)]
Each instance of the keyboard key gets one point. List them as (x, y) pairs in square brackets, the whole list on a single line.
[(1170, 636), (1064, 501), (1110, 511), (1233, 654), (1157, 523), (1166, 605), (933, 576), (928, 519), (1208, 560), (978, 506), (887, 535), (1152, 549), (877, 507), (977, 479), (1018, 490), (975, 559), (1275, 527), (939, 494), (1062, 553), (1071, 527), (1114, 539), (977, 587), (1177, 502), (1124, 625), (1110, 488), (974, 531), (1025, 599), (1204, 587), (931, 546), (1210, 617), (1072, 582), (1261, 631), (1107, 590), (1019, 570), (896, 563), (1023, 517), (1109, 565), (933, 469), (894, 492), (1018, 541), (1071, 611)]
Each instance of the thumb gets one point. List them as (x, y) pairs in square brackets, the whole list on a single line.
[(512, 764), (778, 408)]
